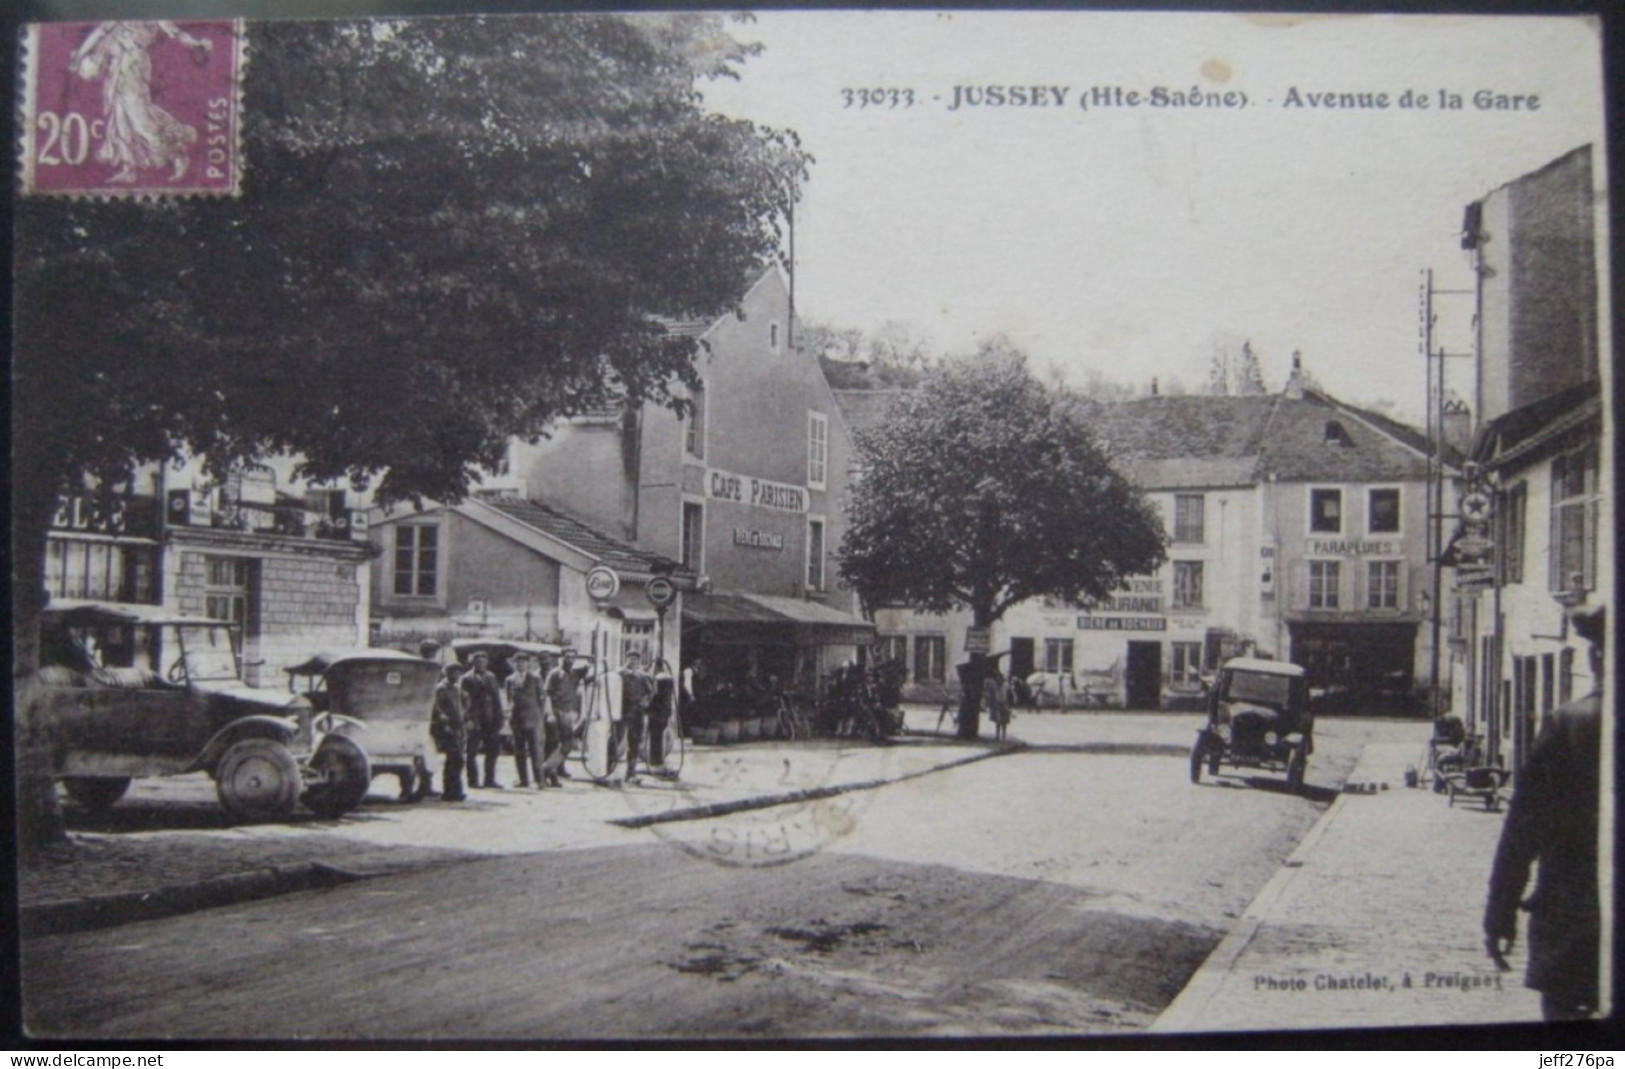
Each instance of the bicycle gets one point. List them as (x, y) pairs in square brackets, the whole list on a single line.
[(793, 720)]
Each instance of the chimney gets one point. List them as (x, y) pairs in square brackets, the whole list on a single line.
[(1294, 382), (1457, 426)]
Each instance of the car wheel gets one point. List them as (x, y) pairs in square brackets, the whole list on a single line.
[(1295, 768), (257, 779), (96, 793), (344, 775), (1198, 755)]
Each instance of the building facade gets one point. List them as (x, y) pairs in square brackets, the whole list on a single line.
[(743, 490), (284, 561), (1296, 529), (1533, 523)]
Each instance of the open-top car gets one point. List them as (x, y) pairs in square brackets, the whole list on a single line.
[(382, 698), (1257, 717), (142, 690)]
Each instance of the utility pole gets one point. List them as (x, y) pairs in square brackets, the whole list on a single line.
[(1436, 471)]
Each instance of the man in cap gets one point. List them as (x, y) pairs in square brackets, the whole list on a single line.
[(524, 690), (449, 729), (1553, 820), (563, 688), (637, 689), (484, 703)]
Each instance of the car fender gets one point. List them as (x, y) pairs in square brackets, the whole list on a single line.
[(281, 729)]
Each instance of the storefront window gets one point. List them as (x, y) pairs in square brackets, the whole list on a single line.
[(1057, 655), (930, 658), (892, 648), (1187, 662), (226, 589)]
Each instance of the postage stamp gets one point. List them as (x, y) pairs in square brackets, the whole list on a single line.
[(132, 109)]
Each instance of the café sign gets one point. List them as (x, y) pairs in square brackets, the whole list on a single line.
[(757, 493)]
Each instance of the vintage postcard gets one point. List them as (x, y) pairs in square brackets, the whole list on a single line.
[(799, 525)]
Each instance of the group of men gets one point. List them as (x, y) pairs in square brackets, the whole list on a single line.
[(541, 707)]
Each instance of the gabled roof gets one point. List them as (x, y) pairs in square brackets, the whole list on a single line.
[(1183, 427), (574, 533), (1523, 431), (1320, 440)]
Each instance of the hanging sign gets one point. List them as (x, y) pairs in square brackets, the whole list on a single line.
[(660, 591), (603, 583)]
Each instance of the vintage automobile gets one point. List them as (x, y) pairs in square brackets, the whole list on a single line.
[(382, 699), (1257, 718), (499, 652), (116, 716)]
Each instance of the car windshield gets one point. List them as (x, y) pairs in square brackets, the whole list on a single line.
[(209, 653), (1259, 687)]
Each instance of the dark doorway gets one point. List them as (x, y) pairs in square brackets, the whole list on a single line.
[(1358, 667), (1144, 682), (1021, 657)]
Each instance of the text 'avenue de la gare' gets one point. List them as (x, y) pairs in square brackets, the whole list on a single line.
[(1110, 96)]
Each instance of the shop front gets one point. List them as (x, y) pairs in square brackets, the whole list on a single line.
[(1358, 666), (744, 645)]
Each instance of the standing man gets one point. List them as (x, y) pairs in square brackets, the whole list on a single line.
[(1553, 820), (484, 699), (524, 689), (563, 689), (637, 688), (449, 729), (662, 702)]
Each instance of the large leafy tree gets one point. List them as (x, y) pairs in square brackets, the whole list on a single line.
[(984, 488), (450, 231)]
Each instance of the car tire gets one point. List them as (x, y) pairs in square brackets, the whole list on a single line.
[(1198, 755), (257, 779), (344, 775), (96, 793)]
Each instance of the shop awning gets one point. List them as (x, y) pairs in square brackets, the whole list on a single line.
[(728, 609), (810, 622)]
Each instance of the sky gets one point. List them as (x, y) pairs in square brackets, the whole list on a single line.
[(1136, 240)]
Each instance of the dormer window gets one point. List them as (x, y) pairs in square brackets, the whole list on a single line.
[(1336, 435), (773, 336)]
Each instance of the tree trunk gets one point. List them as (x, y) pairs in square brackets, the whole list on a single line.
[(971, 676), (39, 814)]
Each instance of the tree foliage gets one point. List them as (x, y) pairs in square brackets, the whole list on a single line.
[(1236, 374), (894, 356), (983, 489), (451, 231)]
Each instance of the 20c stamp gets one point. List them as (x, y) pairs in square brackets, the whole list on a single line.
[(132, 109)]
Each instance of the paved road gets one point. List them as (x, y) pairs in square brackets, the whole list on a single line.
[(1072, 887)]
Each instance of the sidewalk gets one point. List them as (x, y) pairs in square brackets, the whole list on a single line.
[(181, 854), (1375, 920)]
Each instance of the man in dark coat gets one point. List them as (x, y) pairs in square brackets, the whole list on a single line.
[(484, 699), (563, 687), (637, 689), (1553, 820), (449, 729), (524, 688)]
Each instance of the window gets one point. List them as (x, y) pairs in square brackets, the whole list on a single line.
[(694, 438), (75, 569), (817, 449), (417, 560), (1514, 512), (1382, 511), (1573, 558), (638, 636), (1187, 663), (226, 583), (694, 536), (1188, 519), (1057, 655), (773, 336), (1382, 584), (1326, 511), (1565, 676), (1187, 584), (930, 658), (1324, 577), (892, 648), (815, 554)]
